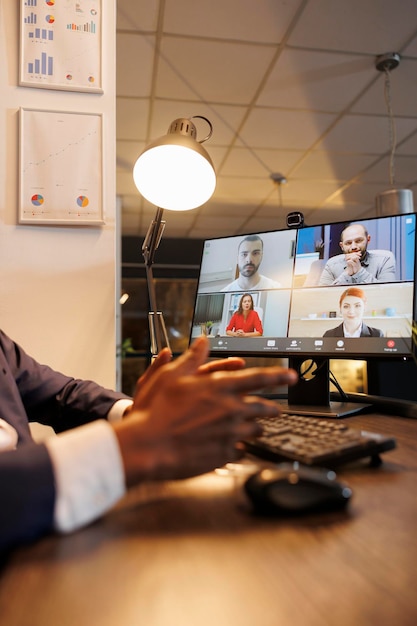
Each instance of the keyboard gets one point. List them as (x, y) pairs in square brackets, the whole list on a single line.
[(314, 441)]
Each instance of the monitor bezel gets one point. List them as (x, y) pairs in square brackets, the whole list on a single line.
[(404, 349)]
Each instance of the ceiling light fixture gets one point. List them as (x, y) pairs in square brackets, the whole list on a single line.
[(392, 201), (174, 172)]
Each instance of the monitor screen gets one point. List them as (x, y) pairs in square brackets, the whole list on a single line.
[(337, 290)]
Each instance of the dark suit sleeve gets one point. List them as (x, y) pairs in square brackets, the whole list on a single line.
[(27, 495), (47, 396)]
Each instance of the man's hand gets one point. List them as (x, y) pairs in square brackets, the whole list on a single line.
[(165, 356), (353, 263), (188, 420)]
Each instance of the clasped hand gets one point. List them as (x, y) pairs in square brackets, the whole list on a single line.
[(188, 415), (353, 263)]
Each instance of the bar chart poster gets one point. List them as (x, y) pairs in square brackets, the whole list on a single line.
[(60, 44), (61, 168)]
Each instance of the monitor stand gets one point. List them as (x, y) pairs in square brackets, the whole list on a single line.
[(311, 394)]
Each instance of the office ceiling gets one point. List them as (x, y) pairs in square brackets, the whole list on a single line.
[(290, 87)]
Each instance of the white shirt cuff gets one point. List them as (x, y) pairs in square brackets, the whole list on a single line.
[(119, 407), (89, 474)]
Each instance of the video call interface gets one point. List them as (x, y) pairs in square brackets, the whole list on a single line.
[(341, 289)]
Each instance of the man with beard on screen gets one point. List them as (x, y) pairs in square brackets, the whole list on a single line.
[(357, 264), (250, 253)]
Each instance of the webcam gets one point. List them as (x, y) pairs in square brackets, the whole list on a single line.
[(295, 219)]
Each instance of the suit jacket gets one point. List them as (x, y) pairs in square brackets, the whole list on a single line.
[(30, 391), (367, 331)]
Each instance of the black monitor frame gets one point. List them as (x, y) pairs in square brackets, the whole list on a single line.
[(300, 349)]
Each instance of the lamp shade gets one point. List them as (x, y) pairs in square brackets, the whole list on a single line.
[(394, 202), (175, 172)]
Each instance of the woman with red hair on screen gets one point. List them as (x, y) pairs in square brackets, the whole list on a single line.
[(245, 321), (352, 304)]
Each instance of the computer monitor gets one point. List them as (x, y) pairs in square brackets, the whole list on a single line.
[(307, 302)]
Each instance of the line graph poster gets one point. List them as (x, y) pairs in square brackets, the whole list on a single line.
[(60, 44), (61, 168)]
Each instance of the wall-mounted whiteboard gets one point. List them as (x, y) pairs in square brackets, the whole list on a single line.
[(61, 44), (61, 168)]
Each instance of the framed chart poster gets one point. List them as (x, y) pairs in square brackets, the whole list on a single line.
[(61, 168), (61, 44)]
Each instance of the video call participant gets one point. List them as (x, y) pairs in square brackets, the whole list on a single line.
[(249, 258), (357, 264), (352, 305), (245, 321)]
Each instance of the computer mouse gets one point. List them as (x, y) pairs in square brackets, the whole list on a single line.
[(292, 488)]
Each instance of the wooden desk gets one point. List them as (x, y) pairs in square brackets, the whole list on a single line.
[(191, 554)]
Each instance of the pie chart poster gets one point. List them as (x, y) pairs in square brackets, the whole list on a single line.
[(60, 168)]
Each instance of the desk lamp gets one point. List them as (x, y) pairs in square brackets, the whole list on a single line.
[(174, 172)]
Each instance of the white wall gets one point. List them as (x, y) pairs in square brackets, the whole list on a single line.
[(57, 284)]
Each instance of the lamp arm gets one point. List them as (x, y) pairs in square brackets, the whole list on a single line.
[(157, 328), (153, 237)]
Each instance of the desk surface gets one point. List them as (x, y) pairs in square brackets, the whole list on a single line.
[(191, 554)]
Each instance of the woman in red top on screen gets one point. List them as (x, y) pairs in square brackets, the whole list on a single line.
[(245, 321)]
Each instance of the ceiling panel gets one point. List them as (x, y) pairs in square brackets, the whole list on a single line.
[(316, 81), (131, 118), (357, 26), (195, 69), (242, 161), (137, 15), (135, 55), (326, 165), (366, 134), (283, 129), (405, 169), (289, 87), (235, 19)]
